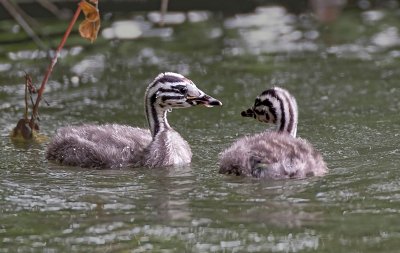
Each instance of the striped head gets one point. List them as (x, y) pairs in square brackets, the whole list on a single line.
[(171, 90), (276, 106)]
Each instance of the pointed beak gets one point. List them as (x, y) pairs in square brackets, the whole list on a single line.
[(204, 99), (248, 113)]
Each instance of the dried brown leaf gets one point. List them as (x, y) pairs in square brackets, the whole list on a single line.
[(90, 27)]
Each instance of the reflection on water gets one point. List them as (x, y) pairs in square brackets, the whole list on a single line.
[(122, 30), (170, 18), (148, 28), (387, 38), (272, 30), (343, 74), (89, 69), (40, 54)]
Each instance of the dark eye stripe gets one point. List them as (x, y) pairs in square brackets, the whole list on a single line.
[(163, 98), (262, 113), (271, 108), (166, 90), (175, 89), (181, 88), (178, 87)]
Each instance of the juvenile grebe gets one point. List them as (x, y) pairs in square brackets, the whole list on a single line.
[(112, 145), (273, 154)]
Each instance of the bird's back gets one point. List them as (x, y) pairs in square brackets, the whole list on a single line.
[(98, 146), (272, 155)]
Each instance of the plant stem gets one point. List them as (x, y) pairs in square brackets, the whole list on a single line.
[(164, 9), (26, 98), (51, 66)]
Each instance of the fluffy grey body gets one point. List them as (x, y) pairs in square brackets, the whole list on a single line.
[(99, 146), (273, 154), (113, 145)]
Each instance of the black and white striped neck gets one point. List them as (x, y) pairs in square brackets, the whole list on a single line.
[(156, 93), (277, 106), (156, 116)]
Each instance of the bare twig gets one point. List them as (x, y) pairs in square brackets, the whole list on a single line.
[(27, 79), (53, 62), (48, 5), (18, 14), (164, 9), (31, 21)]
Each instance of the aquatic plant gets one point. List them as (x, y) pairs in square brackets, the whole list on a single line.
[(88, 29)]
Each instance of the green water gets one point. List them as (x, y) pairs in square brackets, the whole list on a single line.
[(344, 76)]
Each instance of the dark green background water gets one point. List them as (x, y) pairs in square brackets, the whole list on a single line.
[(345, 77)]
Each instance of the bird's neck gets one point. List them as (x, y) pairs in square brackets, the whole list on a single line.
[(285, 128), (156, 116), (160, 123), (286, 119)]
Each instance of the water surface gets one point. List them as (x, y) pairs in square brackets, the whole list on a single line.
[(344, 76)]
